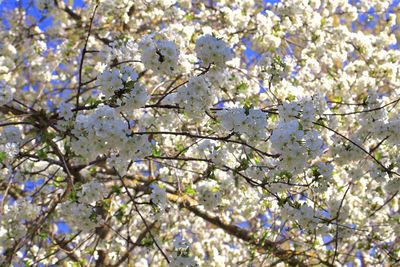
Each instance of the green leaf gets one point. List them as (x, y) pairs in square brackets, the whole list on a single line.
[(338, 99), (247, 105), (291, 97), (189, 17), (156, 152), (242, 87), (274, 117), (130, 84), (190, 191), (93, 217), (266, 204), (119, 214), (3, 156), (67, 148), (285, 174), (43, 235), (42, 154), (147, 242), (116, 190), (323, 21), (106, 203), (282, 201), (181, 148), (73, 196), (244, 164), (93, 101), (48, 136), (236, 178), (92, 170), (209, 173)]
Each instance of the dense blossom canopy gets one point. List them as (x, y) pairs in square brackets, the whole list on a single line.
[(199, 133)]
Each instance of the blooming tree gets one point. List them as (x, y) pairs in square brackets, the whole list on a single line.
[(199, 133)]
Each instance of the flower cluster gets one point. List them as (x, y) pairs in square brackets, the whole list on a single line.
[(13, 224), (99, 132), (92, 192), (305, 216), (135, 98), (294, 145), (251, 123), (83, 213), (209, 195), (159, 55), (181, 256), (11, 134), (122, 84), (110, 81), (104, 132), (10, 140), (195, 97), (159, 196), (8, 55), (211, 50)]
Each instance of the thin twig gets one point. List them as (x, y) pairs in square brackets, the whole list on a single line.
[(84, 51), (141, 216)]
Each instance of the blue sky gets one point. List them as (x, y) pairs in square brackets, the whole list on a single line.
[(33, 11)]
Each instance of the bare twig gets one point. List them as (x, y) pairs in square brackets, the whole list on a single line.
[(84, 51)]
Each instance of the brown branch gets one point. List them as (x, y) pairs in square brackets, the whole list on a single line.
[(364, 111), (359, 147), (240, 233), (223, 139), (337, 224), (141, 216), (138, 241), (84, 51)]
